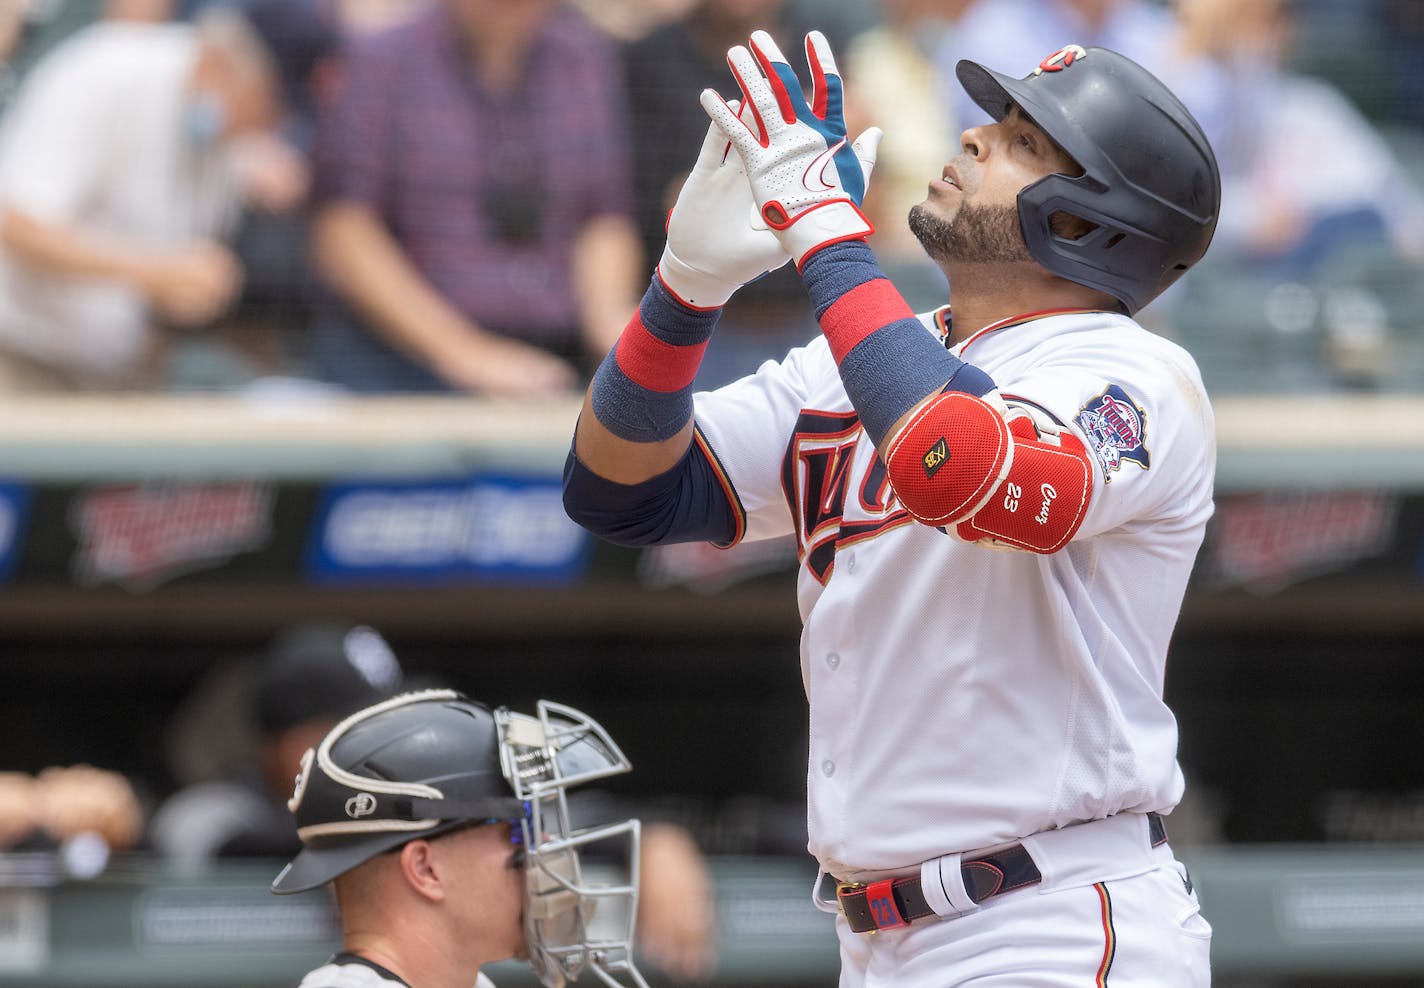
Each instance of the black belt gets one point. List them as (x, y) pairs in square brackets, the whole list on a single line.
[(893, 902)]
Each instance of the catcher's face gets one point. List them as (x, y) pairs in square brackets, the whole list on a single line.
[(488, 894)]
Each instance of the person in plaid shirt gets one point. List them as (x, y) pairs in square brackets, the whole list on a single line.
[(473, 222)]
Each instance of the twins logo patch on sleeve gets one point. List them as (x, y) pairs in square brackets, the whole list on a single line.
[(1116, 427)]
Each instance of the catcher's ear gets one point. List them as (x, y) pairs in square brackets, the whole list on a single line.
[(421, 870)]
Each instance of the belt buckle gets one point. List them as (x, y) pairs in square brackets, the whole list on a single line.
[(842, 887)]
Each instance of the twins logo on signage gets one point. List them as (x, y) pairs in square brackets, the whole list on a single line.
[(1267, 541), (143, 535)]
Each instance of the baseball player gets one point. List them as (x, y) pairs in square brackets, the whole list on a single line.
[(444, 828), (997, 505)]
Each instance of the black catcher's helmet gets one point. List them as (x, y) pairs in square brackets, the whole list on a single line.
[(421, 764), (1150, 180), (414, 766)]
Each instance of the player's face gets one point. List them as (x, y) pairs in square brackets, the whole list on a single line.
[(971, 213)]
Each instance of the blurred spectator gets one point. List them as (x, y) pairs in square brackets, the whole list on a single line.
[(629, 20), (1007, 35), (1305, 176), (472, 220), (75, 808), (17, 808), (45, 23), (12, 29), (1404, 30), (358, 17), (29, 28), (262, 331), (893, 82), (116, 187), (81, 799), (12, 26), (152, 11), (676, 903), (666, 72), (309, 678)]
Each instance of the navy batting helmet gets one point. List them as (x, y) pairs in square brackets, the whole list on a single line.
[(1150, 181)]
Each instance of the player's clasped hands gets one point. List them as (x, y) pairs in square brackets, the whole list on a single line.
[(716, 239), (805, 176), (730, 224)]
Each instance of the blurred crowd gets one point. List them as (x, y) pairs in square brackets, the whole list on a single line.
[(467, 195)]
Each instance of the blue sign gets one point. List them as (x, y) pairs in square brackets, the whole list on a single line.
[(485, 528), (14, 510)]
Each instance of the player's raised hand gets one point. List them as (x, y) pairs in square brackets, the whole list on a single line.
[(806, 176), (825, 114), (716, 238)]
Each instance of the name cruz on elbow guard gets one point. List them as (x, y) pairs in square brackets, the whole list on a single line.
[(1015, 494)]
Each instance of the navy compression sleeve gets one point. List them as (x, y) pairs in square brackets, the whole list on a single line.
[(887, 361), (686, 504)]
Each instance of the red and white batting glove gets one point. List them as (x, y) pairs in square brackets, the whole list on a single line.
[(805, 176), (716, 239)]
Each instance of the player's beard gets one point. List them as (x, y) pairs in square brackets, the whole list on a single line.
[(976, 234)]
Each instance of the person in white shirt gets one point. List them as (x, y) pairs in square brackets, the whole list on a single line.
[(117, 189)]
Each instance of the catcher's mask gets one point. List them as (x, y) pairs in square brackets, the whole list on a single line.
[(1150, 182), (424, 763), (542, 756)]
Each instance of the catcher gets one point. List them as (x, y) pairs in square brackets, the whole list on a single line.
[(443, 827)]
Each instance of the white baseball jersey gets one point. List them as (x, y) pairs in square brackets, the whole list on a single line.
[(349, 971), (963, 696)]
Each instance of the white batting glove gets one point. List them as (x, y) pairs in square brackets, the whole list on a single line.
[(716, 238), (806, 178)]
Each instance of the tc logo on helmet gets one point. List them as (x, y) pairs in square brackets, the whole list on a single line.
[(1061, 59), (361, 804)]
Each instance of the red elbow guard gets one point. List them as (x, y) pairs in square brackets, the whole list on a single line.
[(1041, 502), (960, 462), (949, 457)]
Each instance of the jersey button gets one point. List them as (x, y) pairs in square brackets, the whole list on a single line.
[(833, 660), (828, 768), (850, 562)]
